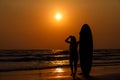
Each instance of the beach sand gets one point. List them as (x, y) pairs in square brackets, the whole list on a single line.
[(63, 73)]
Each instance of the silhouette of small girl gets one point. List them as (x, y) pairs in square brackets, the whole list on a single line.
[(73, 54)]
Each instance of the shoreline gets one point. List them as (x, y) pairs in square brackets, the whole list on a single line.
[(62, 73), (51, 67)]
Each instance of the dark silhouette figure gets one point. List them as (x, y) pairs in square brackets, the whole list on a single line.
[(73, 54), (86, 50)]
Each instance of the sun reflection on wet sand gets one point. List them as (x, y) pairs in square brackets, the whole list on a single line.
[(59, 70), (60, 73)]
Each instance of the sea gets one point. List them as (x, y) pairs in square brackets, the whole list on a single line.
[(14, 60)]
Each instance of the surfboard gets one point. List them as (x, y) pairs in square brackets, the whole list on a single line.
[(86, 49)]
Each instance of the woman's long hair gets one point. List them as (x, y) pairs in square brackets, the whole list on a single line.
[(73, 39)]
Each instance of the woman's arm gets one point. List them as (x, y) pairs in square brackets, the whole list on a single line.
[(67, 40), (78, 42)]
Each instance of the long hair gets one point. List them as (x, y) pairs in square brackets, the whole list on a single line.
[(73, 39)]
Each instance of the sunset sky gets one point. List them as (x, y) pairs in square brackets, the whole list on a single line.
[(32, 24)]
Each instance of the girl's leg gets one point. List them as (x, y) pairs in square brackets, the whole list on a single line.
[(71, 66), (75, 66)]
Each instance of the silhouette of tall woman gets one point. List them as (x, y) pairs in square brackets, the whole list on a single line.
[(73, 54)]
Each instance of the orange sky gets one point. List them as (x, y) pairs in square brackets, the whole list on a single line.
[(30, 24)]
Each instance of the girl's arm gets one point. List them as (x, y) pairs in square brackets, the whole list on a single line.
[(78, 42), (67, 40)]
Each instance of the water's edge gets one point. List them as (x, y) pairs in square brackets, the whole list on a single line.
[(17, 60)]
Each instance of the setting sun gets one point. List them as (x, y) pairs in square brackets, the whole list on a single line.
[(58, 16)]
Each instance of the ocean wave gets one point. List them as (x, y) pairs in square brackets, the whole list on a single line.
[(43, 59)]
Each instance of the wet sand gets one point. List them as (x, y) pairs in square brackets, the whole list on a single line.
[(63, 73)]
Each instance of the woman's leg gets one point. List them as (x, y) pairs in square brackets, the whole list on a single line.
[(75, 65), (71, 65)]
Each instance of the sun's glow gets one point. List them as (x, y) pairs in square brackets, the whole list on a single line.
[(58, 16)]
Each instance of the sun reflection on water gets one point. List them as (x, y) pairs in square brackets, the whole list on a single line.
[(60, 62)]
